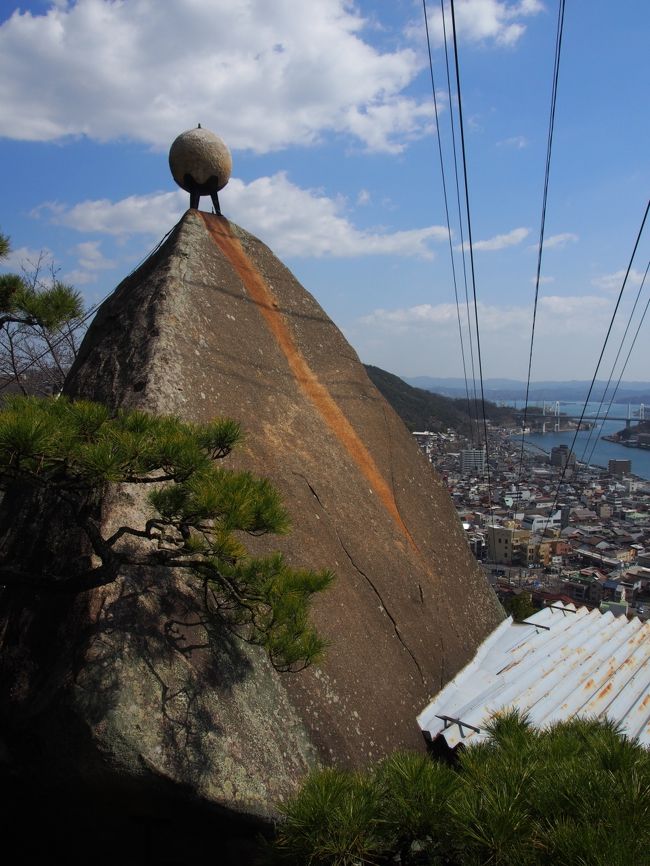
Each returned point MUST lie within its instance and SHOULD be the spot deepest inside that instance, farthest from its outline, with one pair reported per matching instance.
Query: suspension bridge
(555, 416)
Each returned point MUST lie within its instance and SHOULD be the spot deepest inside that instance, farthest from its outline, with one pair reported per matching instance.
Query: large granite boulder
(123, 686)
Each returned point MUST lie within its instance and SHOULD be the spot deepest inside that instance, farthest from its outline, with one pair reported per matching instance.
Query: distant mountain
(512, 389)
(421, 409)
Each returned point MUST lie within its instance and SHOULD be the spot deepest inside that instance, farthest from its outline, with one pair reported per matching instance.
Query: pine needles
(576, 794)
(201, 512)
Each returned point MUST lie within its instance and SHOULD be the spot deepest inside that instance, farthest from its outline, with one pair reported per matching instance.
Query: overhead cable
(600, 358)
(471, 253)
(444, 191)
(460, 216)
(88, 314)
(540, 248)
(623, 368)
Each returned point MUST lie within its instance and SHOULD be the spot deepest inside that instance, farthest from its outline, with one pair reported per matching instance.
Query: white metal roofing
(566, 663)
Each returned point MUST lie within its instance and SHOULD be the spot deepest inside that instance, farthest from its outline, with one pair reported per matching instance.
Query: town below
(545, 527)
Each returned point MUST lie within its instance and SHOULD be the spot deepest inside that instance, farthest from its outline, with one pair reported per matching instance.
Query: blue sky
(326, 106)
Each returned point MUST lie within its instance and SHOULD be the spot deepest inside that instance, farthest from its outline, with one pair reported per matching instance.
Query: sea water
(585, 440)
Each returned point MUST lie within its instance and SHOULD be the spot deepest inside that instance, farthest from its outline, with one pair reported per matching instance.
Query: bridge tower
(641, 412)
(557, 417)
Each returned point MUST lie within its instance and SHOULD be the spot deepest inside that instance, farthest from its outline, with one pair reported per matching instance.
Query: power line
(549, 147)
(600, 358)
(460, 217)
(89, 313)
(444, 191)
(471, 253)
(611, 372)
(624, 367)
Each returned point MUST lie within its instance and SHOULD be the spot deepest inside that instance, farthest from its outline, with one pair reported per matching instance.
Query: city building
(542, 523)
(619, 467)
(472, 461)
(507, 545)
(562, 456)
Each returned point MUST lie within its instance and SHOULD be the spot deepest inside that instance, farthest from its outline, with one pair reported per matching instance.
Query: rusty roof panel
(561, 663)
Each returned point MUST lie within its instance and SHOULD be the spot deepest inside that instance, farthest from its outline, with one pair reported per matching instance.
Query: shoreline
(625, 444)
(534, 445)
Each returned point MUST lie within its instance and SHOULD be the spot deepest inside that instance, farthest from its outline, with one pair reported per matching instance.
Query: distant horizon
(625, 383)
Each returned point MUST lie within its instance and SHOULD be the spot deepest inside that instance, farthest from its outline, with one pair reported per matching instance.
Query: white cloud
(613, 282)
(518, 142)
(299, 222)
(91, 257)
(152, 214)
(499, 242)
(363, 197)
(263, 75)
(90, 260)
(559, 241)
(486, 21)
(421, 314)
(27, 259)
(554, 310)
(293, 221)
(542, 280)
(443, 315)
(79, 277)
(425, 337)
(573, 308)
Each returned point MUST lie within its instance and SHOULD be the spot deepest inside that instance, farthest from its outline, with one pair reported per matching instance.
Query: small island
(634, 436)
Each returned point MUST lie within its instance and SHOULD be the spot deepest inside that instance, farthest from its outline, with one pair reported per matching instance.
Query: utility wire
(614, 392)
(444, 191)
(460, 217)
(89, 313)
(611, 372)
(600, 358)
(549, 147)
(471, 254)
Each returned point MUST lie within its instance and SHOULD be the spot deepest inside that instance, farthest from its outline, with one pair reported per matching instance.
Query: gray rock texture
(123, 684)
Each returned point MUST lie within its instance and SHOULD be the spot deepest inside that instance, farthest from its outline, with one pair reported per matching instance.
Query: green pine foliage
(10, 287)
(576, 794)
(41, 324)
(5, 246)
(336, 819)
(201, 512)
(520, 607)
(47, 307)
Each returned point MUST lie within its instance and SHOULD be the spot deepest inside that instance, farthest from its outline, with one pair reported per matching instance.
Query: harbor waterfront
(603, 451)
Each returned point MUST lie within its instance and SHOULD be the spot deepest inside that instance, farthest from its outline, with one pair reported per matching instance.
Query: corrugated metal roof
(560, 663)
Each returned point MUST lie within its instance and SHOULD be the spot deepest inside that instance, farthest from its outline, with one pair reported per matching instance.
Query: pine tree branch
(13, 319)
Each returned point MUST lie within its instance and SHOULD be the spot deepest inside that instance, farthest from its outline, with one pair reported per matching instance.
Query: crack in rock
(317, 497)
(383, 606)
(368, 580)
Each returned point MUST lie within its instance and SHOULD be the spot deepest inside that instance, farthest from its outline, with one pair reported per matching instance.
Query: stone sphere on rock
(200, 162)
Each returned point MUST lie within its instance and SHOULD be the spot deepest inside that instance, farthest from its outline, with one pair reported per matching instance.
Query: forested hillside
(423, 410)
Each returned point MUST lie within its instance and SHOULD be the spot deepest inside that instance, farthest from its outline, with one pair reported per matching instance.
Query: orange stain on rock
(258, 290)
